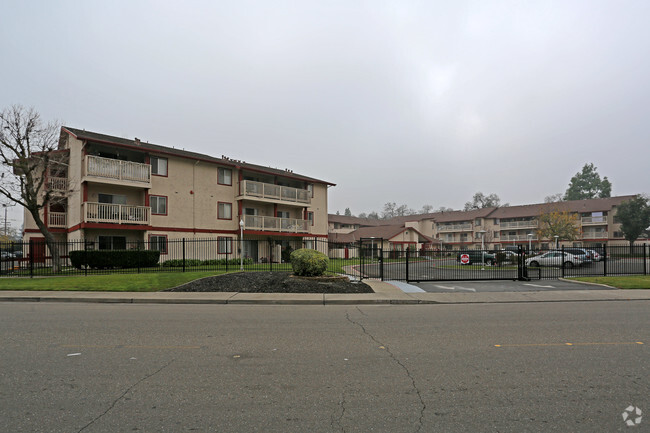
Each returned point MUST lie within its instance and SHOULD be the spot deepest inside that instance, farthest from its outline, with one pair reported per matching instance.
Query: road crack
(394, 358)
(124, 393)
(338, 421)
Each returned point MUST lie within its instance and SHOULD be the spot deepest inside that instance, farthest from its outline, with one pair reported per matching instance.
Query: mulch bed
(273, 282)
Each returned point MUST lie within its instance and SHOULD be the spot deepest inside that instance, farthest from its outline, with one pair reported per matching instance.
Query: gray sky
(413, 102)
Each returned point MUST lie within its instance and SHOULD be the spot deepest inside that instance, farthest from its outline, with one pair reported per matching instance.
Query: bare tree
(28, 152)
(554, 198)
(481, 200)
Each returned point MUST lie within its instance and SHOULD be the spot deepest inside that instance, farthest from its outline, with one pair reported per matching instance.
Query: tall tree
(558, 223)
(348, 212)
(444, 209)
(480, 201)
(634, 216)
(588, 184)
(427, 208)
(554, 198)
(27, 154)
(373, 215)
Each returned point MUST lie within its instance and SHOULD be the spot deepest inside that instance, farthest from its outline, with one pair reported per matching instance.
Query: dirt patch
(273, 282)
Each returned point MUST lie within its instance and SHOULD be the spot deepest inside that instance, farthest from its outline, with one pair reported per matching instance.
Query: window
(158, 243)
(224, 211)
(111, 198)
(224, 176)
(495, 234)
(283, 214)
(309, 245)
(310, 188)
(158, 204)
(158, 166)
(477, 222)
(112, 242)
(224, 245)
(496, 221)
(310, 218)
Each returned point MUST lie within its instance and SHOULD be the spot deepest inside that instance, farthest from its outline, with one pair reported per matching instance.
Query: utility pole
(6, 205)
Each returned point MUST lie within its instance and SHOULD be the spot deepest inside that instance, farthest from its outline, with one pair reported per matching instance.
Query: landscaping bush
(109, 259)
(308, 263)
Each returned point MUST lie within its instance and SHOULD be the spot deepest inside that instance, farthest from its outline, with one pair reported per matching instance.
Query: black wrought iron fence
(363, 259)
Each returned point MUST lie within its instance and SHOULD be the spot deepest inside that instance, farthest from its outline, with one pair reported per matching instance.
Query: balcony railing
(455, 227)
(519, 224)
(506, 238)
(594, 235)
(276, 192)
(109, 168)
(59, 184)
(594, 220)
(291, 225)
(116, 213)
(57, 219)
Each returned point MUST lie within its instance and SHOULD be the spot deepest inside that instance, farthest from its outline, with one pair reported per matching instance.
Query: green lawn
(626, 282)
(151, 282)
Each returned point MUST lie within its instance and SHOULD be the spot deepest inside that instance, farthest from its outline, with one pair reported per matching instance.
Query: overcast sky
(416, 102)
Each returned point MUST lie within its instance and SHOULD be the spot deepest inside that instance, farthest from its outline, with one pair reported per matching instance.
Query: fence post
(562, 261)
(13, 253)
(31, 258)
(381, 263)
(605, 260)
(271, 256)
(85, 257)
(138, 254)
(407, 265)
(183, 254)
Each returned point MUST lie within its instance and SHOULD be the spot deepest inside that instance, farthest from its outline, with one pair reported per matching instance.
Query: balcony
(115, 171)
(274, 193)
(57, 220)
(506, 238)
(57, 184)
(455, 227)
(594, 220)
(594, 235)
(274, 224)
(519, 224)
(116, 213)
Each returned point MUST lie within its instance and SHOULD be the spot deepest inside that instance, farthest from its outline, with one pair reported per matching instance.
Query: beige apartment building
(115, 191)
(496, 228)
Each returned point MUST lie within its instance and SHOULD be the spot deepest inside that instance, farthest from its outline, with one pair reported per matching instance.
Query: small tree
(634, 216)
(27, 153)
(558, 223)
(587, 184)
(348, 212)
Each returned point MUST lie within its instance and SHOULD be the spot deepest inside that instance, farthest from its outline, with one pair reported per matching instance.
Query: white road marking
(454, 288)
(538, 285)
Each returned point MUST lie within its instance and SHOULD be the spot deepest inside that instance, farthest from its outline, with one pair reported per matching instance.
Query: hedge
(109, 259)
(308, 263)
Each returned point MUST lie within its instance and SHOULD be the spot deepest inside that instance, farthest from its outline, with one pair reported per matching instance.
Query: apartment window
(495, 234)
(224, 245)
(158, 204)
(309, 245)
(111, 242)
(224, 211)
(111, 198)
(310, 217)
(496, 221)
(158, 243)
(224, 176)
(310, 188)
(283, 214)
(477, 222)
(158, 166)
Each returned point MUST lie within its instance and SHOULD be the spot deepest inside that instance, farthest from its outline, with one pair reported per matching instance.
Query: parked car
(584, 254)
(595, 256)
(477, 256)
(555, 258)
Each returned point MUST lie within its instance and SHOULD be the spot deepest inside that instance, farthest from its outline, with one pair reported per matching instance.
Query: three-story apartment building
(116, 191)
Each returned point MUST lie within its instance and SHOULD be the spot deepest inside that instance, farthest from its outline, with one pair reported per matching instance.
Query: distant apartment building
(495, 228)
(116, 191)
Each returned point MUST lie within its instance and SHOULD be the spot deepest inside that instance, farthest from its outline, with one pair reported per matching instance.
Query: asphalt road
(539, 367)
(503, 286)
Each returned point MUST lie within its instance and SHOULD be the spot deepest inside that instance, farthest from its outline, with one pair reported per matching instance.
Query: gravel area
(273, 282)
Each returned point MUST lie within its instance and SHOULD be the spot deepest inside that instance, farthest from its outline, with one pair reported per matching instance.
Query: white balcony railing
(291, 225)
(57, 219)
(594, 220)
(506, 238)
(270, 191)
(59, 184)
(116, 213)
(109, 168)
(518, 224)
(455, 227)
(594, 235)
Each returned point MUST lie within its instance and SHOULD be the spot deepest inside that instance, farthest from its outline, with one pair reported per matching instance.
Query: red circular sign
(464, 258)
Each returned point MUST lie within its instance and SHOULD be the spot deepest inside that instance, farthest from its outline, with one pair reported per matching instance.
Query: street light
(241, 244)
(6, 205)
(482, 233)
(556, 239)
(530, 237)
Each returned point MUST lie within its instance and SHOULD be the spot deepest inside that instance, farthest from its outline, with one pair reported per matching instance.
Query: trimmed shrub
(110, 259)
(308, 263)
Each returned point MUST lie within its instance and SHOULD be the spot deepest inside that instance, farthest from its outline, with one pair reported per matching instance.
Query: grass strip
(620, 282)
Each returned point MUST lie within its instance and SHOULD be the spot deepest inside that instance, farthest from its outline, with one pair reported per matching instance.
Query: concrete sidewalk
(385, 293)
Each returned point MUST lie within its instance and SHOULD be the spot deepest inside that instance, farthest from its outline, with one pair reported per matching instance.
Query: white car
(554, 258)
(595, 256)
